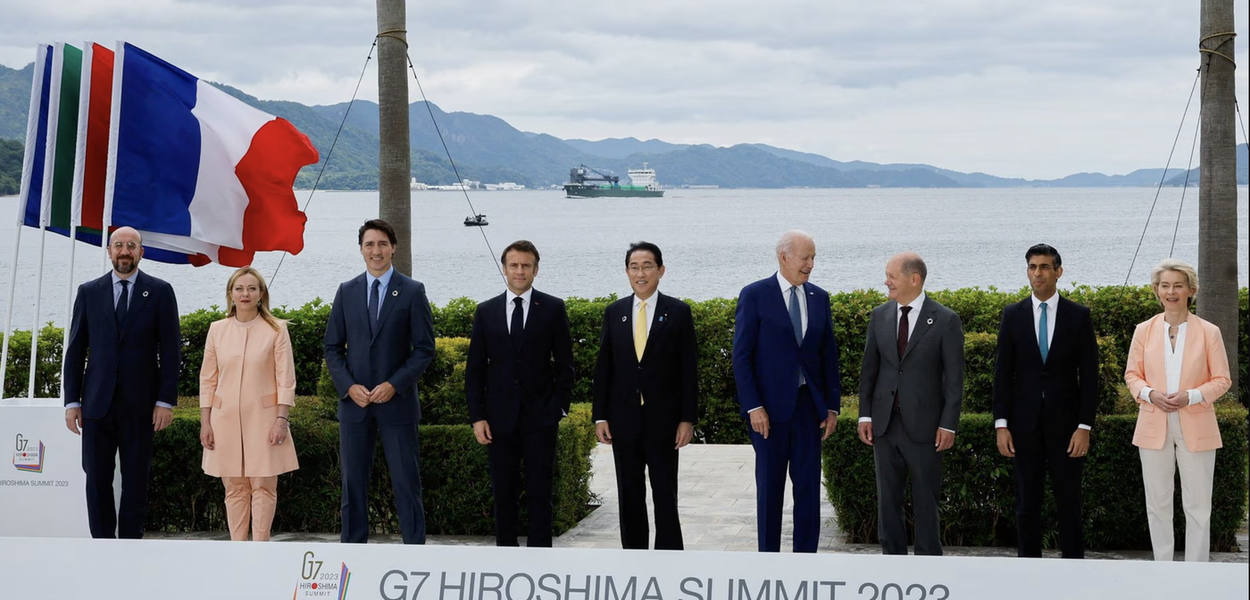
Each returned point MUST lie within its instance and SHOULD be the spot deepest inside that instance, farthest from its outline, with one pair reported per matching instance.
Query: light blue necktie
(796, 317)
(1043, 344)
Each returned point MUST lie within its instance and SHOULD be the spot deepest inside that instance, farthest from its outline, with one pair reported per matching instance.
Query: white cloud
(1033, 89)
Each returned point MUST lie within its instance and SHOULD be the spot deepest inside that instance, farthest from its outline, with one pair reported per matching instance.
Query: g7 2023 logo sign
(28, 457)
(315, 583)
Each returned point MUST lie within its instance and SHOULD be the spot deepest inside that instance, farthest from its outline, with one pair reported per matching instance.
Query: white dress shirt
(1172, 359)
(510, 305)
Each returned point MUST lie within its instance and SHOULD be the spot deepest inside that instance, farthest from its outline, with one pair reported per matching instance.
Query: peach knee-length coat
(248, 370)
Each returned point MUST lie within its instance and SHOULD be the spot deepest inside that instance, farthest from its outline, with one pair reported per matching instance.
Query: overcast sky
(1036, 89)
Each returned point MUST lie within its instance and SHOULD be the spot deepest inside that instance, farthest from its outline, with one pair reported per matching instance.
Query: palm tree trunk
(1217, 192)
(394, 166)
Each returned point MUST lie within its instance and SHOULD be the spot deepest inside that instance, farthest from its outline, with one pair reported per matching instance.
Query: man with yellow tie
(645, 397)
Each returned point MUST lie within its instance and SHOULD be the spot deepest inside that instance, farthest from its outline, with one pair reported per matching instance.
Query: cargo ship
(588, 182)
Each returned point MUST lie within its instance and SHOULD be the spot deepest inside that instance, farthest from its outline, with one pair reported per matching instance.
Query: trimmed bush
(978, 490)
(454, 476)
(1116, 312)
(47, 363)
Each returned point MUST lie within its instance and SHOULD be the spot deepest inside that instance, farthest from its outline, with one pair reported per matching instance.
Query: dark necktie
(517, 330)
(123, 303)
(796, 321)
(903, 325)
(374, 300)
(796, 316)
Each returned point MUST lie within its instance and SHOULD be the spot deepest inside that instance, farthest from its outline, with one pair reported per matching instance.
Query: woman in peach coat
(1177, 368)
(247, 388)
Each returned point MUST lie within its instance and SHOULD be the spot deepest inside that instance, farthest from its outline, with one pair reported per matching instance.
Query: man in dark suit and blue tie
(519, 383)
(1045, 397)
(785, 363)
(646, 397)
(121, 382)
(378, 341)
(911, 386)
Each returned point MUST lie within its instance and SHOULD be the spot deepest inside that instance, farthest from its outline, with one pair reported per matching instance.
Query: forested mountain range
(488, 149)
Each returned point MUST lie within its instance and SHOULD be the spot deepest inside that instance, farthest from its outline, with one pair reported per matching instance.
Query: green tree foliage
(10, 167)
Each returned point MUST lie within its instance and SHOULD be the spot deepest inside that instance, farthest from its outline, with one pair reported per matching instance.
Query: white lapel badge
(145, 293)
(930, 321)
(395, 294)
(624, 318)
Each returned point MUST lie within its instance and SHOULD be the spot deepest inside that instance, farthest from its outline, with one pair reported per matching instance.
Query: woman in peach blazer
(1177, 368)
(247, 388)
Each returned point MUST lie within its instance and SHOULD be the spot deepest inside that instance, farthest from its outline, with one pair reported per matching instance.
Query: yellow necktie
(640, 337)
(640, 330)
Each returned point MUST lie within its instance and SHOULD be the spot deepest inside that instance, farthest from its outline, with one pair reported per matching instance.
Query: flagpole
(45, 206)
(28, 160)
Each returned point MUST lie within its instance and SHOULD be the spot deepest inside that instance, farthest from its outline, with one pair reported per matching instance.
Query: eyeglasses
(647, 268)
(131, 246)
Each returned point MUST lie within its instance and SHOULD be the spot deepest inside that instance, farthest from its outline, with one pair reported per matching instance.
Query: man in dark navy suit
(786, 368)
(1045, 397)
(379, 339)
(121, 382)
(645, 397)
(519, 383)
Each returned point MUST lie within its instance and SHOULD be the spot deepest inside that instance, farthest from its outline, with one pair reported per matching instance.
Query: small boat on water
(476, 221)
(588, 182)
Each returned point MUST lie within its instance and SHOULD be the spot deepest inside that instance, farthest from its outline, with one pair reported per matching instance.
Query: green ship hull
(574, 190)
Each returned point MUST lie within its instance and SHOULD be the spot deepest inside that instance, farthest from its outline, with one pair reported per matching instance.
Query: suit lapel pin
(145, 293)
(624, 318)
(394, 293)
(662, 317)
(930, 321)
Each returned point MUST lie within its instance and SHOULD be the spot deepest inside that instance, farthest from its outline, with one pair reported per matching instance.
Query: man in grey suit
(910, 389)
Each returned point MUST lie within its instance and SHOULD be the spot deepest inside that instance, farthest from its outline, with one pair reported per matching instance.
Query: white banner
(130, 569)
(43, 488)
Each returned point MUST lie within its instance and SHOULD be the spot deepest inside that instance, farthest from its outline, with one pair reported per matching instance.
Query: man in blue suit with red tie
(786, 368)
(121, 382)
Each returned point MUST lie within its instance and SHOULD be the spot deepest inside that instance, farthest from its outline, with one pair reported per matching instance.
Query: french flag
(196, 170)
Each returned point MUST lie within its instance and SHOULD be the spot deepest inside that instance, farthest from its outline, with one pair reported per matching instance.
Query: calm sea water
(714, 241)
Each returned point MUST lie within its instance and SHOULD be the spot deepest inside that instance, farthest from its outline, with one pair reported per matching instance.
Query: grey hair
(1180, 266)
(786, 243)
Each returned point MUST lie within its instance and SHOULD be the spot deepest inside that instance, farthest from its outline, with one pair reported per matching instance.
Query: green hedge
(1116, 311)
(454, 476)
(978, 488)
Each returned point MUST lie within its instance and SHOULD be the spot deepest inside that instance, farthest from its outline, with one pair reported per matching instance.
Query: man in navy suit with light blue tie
(785, 363)
(379, 339)
(121, 382)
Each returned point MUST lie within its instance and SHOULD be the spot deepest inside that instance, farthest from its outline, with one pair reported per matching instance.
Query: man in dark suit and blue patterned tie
(121, 382)
(785, 363)
(519, 383)
(378, 341)
(1045, 398)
